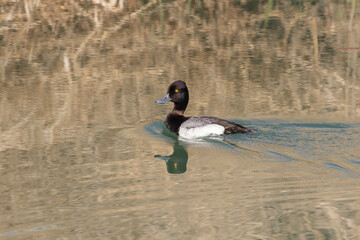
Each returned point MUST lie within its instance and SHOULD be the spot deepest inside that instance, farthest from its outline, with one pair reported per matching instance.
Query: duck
(194, 127)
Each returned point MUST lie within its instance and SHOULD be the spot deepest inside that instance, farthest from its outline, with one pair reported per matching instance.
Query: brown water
(84, 153)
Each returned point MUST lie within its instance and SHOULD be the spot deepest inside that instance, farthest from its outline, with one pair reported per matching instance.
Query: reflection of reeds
(268, 10)
(189, 6)
(161, 12)
(350, 88)
(199, 4)
(92, 63)
(315, 38)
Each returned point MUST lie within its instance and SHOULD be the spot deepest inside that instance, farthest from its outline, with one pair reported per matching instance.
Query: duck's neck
(179, 108)
(177, 112)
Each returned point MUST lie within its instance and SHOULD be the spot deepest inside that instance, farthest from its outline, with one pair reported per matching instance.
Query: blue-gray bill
(165, 99)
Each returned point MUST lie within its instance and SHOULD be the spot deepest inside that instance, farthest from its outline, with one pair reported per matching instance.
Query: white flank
(203, 131)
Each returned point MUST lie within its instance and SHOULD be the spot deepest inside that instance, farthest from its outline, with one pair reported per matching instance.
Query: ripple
(318, 125)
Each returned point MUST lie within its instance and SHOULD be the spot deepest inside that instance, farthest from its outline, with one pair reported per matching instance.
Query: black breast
(173, 122)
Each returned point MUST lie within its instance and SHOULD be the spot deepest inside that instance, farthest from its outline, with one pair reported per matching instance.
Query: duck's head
(178, 94)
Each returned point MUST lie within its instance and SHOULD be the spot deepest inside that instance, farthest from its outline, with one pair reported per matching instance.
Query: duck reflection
(176, 162)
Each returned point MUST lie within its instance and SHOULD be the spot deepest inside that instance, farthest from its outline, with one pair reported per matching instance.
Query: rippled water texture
(84, 152)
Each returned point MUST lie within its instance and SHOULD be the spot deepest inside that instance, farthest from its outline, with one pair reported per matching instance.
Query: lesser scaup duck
(194, 127)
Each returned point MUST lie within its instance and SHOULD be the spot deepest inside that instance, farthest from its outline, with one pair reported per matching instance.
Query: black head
(178, 94)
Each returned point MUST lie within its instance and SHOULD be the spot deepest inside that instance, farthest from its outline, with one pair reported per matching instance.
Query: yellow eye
(176, 90)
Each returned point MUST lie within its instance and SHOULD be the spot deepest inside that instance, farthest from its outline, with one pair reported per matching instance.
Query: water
(289, 180)
(84, 152)
(319, 145)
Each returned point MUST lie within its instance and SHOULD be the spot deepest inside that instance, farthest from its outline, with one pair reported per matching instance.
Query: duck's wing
(230, 127)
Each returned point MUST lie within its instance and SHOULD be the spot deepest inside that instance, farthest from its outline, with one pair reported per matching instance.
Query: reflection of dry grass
(82, 63)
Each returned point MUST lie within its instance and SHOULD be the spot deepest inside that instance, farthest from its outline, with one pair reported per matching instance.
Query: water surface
(84, 152)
